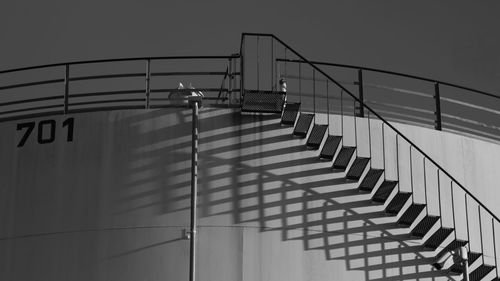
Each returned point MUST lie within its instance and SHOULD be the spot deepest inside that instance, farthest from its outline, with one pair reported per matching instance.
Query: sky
(453, 41)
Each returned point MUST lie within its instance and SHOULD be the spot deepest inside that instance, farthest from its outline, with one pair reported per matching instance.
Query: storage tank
(294, 183)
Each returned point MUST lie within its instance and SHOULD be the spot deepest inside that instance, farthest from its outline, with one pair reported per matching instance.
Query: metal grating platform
(290, 113)
(344, 157)
(384, 191)
(371, 179)
(316, 136)
(480, 272)
(357, 168)
(330, 147)
(424, 226)
(303, 125)
(437, 238)
(411, 214)
(263, 101)
(397, 203)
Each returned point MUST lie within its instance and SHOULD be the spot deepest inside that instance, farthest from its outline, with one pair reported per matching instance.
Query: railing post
(437, 113)
(66, 88)
(361, 112)
(242, 69)
(229, 80)
(148, 78)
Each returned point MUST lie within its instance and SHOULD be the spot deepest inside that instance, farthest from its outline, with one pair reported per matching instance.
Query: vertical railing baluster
(397, 160)
(480, 232)
(258, 66)
(494, 246)
(272, 64)
(242, 69)
(437, 113)
(148, 79)
(383, 152)
(66, 88)
(453, 210)
(361, 98)
(411, 178)
(229, 80)
(425, 189)
(439, 199)
(370, 140)
(467, 223)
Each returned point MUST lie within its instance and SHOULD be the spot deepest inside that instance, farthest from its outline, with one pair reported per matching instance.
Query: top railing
(421, 100)
(125, 83)
(307, 84)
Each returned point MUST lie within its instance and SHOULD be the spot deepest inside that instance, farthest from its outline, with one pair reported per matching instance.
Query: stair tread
(303, 124)
(316, 136)
(263, 101)
(411, 214)
(424, 226)
(397, 203)
(344, 157)
(480, 272)
(357, 168)
(290, 113)
(330, 147)
(473, 256)
(371, 179)
(384, 191)
(437, 238)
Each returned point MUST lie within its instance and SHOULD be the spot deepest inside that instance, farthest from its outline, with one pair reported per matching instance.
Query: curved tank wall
(113, 203)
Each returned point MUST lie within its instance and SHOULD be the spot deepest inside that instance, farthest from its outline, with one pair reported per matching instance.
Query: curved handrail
(13, 106)
(397, 74)
(338, 84)
(115, 60)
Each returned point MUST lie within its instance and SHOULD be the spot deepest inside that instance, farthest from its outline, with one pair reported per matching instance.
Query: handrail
(116, 60)
(374, 113)
(397, 74)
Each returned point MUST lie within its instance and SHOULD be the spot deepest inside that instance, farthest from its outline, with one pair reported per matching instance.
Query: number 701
(43, 126)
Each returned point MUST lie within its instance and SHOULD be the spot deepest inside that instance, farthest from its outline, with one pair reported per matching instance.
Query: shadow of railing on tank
(275, 186)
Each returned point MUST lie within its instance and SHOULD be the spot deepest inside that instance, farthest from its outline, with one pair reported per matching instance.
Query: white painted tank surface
(105, 196)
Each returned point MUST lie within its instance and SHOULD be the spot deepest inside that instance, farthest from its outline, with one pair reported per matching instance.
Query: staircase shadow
(286, 188)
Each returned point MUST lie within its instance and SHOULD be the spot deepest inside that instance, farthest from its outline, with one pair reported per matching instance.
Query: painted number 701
(46, 131)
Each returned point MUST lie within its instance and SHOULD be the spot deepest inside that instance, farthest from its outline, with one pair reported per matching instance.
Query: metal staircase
(410, 211)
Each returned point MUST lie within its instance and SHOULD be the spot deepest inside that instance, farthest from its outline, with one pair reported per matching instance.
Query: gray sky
(455, 41)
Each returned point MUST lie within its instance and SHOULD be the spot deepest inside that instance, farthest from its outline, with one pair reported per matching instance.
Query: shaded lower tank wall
(114, 203)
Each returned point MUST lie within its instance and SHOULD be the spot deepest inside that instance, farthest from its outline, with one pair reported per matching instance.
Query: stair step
(411, 214)
(384, 191)
(290, 113)
(303, 124)
(344, 157)
(453, 245)
(437, 238)
(330, 147)
(316, 136)
(424, 226)
(473, 256)
(371, 179)
(357, 168)
(397, 203)
(480, 272)
(263, 101)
